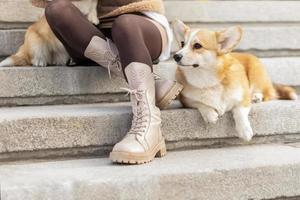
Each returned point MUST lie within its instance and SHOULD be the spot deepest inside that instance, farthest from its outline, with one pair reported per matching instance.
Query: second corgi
(216, 81)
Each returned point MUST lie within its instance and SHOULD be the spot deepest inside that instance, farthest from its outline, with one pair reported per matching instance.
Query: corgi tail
(21, 58)
(285, 92)
(7, 62)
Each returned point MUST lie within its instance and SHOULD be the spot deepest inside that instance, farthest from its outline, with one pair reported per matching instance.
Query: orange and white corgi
(41, 47)
(216, 81)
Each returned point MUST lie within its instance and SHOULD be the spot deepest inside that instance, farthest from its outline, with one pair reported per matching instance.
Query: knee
(55, 10)
(124, 27)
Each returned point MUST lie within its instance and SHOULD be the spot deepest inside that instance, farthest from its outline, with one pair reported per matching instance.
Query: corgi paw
(92, 17)
(246, 133)
(39, 63)
(257, 98)
(211, 117)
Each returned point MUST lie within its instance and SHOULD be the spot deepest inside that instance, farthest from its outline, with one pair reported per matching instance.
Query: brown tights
(137, 39)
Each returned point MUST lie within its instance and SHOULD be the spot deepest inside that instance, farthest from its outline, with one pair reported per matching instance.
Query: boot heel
(163, 150)
(170, 96)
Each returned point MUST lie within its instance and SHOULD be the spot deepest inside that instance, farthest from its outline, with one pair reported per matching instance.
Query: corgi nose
(177, 57)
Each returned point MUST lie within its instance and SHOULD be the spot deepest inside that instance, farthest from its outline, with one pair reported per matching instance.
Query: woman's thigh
(137, 39)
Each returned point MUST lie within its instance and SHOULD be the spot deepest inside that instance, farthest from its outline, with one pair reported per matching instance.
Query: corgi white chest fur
(203, 87)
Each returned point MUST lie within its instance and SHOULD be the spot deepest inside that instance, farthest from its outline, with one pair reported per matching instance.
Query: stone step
(190, 11)
(263, 40)
(92, 129)
(278, 21)
(58, 85)
(233, 11)
(73, 85)
(238, 173)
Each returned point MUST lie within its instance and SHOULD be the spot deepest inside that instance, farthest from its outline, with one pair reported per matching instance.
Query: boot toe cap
(128, 145)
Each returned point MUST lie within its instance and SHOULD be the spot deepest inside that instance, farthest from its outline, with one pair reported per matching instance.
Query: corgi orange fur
(216, 81)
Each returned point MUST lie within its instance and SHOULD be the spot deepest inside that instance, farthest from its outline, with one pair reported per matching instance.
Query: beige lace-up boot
(144, 140)
(105, 53)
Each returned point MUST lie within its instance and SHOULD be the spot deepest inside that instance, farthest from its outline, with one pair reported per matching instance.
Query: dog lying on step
(216, 81)
(41, 47)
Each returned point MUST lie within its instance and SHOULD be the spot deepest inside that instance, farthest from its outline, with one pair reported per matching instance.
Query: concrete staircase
(206, 161)
(250, 172)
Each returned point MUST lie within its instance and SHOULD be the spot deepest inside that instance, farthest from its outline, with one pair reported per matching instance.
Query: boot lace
(112, 56)
(156, 76)
(140, 118)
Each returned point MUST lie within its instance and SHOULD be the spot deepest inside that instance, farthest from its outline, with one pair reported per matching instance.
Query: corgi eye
(182, 43)
(197, 46)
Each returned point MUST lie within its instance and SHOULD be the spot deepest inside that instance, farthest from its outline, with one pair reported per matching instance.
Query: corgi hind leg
(269, 93)
(60, 55)
(40, 55)
(242, 123)
(38, 48)
(60, 59)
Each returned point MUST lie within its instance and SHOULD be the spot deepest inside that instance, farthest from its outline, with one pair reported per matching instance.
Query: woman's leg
(139, 42)
(137, 39)
(71, 27)
(85, 43)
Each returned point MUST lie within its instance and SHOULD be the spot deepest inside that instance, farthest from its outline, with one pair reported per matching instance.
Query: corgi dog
(41, 47)
(216, 81)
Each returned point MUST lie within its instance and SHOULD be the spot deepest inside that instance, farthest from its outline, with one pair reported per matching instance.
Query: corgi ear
(228, 39)
(180, 29)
